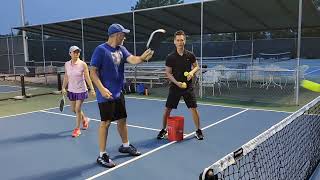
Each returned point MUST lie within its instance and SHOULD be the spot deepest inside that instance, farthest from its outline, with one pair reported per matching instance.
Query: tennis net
(275, 57)
(237, 61)
(242, 57)
(23, 86)
(9, 86)
(288, 150)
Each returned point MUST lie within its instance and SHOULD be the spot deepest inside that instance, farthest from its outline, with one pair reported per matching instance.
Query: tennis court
(38, 145)
(253, 54)
(8, 89)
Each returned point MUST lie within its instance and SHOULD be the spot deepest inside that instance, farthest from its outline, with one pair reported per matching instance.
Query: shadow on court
(36, 137)
(69, 173)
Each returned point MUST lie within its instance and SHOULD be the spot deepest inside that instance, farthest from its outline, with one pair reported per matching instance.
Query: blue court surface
(38, 145)
(9, 89)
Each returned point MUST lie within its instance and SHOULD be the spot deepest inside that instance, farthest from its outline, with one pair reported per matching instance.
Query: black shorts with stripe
(113, 110)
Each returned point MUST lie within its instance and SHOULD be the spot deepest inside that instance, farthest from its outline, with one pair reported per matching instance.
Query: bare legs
(76, 108)
(103, 132)
(194, 113)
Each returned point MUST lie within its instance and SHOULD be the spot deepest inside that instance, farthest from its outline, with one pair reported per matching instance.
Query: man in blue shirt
(107, 73)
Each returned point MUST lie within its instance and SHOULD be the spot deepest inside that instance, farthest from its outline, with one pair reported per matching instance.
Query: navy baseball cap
(115, 28)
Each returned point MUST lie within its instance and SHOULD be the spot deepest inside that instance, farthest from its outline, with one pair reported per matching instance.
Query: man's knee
(105, 124)
(194, 109)
(168, 110)
(122, 122)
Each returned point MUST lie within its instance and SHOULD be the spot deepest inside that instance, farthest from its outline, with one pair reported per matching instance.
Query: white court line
(92, 119)
(312, 72)
(154, 99)
(214, 105)
(161, 147)
(30, 112)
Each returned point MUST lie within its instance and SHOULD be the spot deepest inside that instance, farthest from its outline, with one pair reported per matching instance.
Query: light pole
(25, 42)
(298, 53)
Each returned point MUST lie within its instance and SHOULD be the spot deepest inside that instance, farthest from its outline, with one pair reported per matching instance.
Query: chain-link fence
(261, 70)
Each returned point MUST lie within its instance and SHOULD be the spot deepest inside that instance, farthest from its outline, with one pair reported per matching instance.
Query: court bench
(151, 80)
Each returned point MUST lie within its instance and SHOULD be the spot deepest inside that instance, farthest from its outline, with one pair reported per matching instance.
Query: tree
(143, 4)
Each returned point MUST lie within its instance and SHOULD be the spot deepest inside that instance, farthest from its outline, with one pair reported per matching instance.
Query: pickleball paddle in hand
(62, 103)
(155, 39)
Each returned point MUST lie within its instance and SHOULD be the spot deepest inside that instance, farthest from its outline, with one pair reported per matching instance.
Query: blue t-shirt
(109, 62)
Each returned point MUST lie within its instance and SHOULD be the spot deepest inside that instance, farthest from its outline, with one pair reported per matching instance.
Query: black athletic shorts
(175, 94)
(113, 110)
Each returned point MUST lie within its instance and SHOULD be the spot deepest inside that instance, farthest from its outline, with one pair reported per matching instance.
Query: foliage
(143, 4)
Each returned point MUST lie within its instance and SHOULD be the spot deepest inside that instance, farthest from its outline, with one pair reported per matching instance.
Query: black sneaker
(130, 150)
(105, 161)
(162, 134)
(199, 134)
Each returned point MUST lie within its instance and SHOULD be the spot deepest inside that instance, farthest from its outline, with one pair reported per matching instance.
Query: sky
(45, 11)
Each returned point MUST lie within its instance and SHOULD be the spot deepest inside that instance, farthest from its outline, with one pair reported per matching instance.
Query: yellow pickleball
(312, 86)
(186, 74)
(184, 85)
